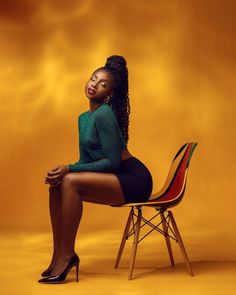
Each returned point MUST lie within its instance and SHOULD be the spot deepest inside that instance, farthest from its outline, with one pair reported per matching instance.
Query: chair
(169, 196)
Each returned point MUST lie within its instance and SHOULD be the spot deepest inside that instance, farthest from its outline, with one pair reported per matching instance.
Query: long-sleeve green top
(100, 141)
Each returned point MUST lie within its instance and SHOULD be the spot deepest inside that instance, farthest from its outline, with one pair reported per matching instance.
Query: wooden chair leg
(135, 242)
(124, 238)
(167, 238)
(180, 242)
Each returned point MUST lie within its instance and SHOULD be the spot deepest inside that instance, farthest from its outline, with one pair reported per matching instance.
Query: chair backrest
(175, 183)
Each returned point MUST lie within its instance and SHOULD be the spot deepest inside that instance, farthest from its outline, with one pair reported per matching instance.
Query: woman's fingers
(53, 177)
(54, 170)
(52, 173)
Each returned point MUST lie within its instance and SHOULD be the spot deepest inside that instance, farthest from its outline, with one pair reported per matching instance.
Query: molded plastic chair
(169, 196)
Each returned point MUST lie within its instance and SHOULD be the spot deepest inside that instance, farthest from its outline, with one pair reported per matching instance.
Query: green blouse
(100, 141)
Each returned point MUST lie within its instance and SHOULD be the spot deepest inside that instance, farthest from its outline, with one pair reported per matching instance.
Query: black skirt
(135, 180)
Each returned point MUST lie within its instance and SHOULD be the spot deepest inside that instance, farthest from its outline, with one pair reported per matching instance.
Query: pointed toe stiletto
(74, 261)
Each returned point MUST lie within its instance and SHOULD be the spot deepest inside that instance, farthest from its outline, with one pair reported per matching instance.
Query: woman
(106, 173)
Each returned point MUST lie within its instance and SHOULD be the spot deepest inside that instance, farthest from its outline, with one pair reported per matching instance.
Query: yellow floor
(25, 254)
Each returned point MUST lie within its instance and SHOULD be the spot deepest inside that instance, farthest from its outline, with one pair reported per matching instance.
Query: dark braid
(119, 102)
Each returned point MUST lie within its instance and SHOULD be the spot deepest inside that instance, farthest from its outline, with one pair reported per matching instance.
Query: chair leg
(124, 238)
(180, 242)
(167, 238)
(135, 242)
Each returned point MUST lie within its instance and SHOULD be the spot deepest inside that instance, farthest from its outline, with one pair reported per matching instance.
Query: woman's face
(99, 86)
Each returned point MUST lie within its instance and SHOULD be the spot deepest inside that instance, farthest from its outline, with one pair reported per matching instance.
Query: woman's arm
(108, 131)
(55, 175)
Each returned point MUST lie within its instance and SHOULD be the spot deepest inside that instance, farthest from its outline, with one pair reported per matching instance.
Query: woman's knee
(71, 178)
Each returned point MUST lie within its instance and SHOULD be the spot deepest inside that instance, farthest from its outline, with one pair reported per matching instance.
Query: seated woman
(106, 172)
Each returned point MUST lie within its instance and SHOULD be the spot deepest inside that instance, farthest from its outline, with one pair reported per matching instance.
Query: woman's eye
(102, 83)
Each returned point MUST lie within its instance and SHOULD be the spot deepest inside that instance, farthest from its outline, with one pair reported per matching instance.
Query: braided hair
(119, 101)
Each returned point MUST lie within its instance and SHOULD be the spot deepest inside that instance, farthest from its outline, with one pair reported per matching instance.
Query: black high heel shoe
(46, 273)
(74, 261)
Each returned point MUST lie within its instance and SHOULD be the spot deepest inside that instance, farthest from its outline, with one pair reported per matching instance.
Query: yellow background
(181, 61)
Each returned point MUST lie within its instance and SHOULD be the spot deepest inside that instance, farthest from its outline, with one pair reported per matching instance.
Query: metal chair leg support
(180, 242)
(135, 242)
(167, 238)
(124, 238)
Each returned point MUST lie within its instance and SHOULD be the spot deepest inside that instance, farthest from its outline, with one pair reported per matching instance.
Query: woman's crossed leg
(66, 208)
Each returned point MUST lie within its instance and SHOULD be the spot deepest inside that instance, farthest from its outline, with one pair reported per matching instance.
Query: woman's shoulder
(103, 111)
(83, 114)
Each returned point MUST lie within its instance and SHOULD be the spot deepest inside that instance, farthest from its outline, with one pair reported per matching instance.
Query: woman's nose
(94, 84)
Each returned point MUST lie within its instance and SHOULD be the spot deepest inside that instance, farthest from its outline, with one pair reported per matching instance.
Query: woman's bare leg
(101, 187)
(55, 216)
(71, 212)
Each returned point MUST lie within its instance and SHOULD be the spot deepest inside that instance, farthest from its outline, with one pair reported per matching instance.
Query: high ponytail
(119, 101)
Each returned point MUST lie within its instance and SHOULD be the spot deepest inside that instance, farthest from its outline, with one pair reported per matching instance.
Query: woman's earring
(108, 98)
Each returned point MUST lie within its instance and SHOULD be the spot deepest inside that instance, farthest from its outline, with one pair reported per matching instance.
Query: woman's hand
(54, 176)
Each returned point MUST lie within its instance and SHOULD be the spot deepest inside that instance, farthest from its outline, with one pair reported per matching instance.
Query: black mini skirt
(135, 180)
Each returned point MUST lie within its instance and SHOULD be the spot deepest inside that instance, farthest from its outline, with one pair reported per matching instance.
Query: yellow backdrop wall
(181, 73)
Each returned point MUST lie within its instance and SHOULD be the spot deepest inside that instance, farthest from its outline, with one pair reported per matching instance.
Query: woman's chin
(89, 96)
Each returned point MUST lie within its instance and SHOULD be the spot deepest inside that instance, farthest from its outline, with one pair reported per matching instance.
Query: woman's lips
(91, 91)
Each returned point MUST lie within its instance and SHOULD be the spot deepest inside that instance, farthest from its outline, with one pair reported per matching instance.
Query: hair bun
(116, 62)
